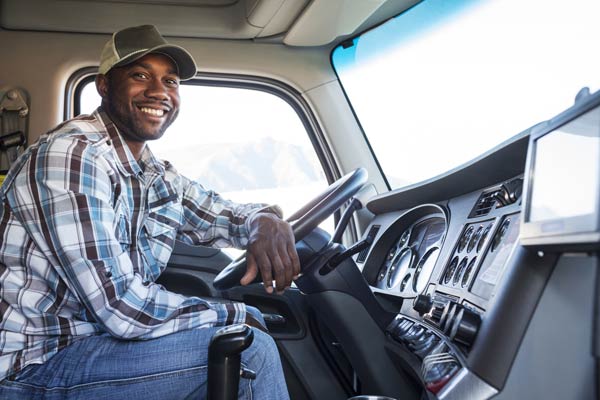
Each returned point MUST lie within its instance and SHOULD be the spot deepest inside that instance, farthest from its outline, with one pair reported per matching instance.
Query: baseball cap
(130, 44)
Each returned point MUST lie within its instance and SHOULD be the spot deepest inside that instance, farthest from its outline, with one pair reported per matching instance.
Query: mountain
(261, 164)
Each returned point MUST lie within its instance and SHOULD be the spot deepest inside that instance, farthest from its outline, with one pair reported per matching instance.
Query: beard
(130, 120)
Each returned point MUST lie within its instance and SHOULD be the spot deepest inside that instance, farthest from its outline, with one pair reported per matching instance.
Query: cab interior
(442, 289)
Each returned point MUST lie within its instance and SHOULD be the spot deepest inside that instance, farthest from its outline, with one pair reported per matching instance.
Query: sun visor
(325, 20)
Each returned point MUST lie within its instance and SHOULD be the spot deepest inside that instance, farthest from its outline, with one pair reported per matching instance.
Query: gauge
(424, 269)
(466, 237)
(468, 272)
(484, 236)
(450, 271)
(392, 252)
(500, 234)
(404, 238)
(459, 270)
(400, 266)
(382, 273)
(474, 239)
(405, 282)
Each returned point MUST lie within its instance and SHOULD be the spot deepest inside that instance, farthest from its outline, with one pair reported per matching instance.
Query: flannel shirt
(85, 230)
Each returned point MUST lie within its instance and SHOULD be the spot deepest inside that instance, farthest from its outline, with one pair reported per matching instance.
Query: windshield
(448, 80)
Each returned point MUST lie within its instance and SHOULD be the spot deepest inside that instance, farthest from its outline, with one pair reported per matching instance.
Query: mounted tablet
(562, 181)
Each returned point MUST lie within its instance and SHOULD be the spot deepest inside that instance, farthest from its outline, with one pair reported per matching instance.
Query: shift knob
(224, 360)
(423, 304)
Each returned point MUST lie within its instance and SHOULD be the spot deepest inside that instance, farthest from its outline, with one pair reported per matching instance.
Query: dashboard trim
(480, 172)
(466, 385)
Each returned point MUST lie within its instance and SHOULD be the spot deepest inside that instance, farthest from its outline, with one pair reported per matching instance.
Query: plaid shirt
(85, 230)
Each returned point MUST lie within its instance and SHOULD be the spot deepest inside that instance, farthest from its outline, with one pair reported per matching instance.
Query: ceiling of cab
(293, 22)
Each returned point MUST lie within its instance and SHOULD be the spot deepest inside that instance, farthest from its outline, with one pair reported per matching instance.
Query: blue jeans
(171, 367)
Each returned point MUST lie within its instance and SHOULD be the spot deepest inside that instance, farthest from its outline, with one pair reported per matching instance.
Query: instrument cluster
(410, 260)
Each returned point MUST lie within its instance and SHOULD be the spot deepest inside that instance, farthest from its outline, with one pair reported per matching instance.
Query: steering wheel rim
(302, 221)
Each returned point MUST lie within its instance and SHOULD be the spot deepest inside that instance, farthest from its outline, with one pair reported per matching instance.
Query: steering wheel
(303, 221)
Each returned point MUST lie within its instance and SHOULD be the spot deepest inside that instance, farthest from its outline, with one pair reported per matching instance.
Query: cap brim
(186, 65)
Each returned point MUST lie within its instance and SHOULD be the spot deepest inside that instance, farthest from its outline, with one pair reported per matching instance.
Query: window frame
(287, 93)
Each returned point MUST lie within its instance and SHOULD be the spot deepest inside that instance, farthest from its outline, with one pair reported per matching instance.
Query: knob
(423, 304)
(448, 316)
(224, 360)
(436, 314)
(465, 327)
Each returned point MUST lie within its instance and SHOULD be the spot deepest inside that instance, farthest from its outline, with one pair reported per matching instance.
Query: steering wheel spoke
(303, 222)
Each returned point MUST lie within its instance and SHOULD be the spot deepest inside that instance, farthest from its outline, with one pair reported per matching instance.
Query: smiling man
(88, 222)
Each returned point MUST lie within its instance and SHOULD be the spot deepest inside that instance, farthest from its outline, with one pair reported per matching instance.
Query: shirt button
(109, 142)
(108, 274)
(146, 283)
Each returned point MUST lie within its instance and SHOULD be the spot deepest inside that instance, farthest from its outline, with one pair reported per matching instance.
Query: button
(146, 283)
(108, 274)
(414, 334)
(426, 348)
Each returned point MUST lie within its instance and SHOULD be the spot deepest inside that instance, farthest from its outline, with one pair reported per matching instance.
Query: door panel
(309, 374)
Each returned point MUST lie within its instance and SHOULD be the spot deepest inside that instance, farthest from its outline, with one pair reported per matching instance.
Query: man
(88, 222)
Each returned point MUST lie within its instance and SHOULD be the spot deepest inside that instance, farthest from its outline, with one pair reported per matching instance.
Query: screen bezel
(581, 232)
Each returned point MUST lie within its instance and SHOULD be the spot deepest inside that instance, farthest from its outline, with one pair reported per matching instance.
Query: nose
(157, 90)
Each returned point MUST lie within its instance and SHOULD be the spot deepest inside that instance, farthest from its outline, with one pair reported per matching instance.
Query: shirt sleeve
(63, 198)
(211, 220)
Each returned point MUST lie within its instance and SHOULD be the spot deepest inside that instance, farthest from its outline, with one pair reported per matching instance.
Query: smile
(152, 111)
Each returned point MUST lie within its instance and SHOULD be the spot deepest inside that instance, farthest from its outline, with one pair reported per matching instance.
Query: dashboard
(448, 258)
(445, 261)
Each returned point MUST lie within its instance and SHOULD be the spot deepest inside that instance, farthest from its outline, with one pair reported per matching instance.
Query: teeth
(152, 111)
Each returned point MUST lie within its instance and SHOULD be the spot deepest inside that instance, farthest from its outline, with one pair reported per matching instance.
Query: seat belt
(14, 118)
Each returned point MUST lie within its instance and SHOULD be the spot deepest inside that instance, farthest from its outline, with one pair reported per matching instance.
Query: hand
(272, 250)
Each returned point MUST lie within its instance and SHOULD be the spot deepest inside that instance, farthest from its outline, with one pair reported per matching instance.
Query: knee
(262, 353)
(256, 313)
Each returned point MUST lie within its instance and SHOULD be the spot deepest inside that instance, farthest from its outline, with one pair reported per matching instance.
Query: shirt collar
(130, 164)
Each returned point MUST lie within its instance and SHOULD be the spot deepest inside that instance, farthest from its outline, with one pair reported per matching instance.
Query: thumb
(251, 270)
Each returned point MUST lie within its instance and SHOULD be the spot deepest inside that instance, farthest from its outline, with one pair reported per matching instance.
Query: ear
(102, 85)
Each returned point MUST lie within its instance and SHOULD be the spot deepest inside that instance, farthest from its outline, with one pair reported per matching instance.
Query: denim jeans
(171, 367)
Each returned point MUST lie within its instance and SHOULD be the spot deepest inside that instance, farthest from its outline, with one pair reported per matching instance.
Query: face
(141, 98)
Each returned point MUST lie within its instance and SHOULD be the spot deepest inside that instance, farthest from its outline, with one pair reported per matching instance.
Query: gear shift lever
(224, 361)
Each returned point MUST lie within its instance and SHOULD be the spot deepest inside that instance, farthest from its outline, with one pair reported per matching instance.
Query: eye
(172, 82)
(140, 75)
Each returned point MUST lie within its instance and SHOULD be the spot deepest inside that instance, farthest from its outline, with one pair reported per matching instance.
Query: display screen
(566, 170)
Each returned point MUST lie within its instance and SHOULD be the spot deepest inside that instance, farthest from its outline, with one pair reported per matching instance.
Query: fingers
(264, 264)
(283, 272)
(294, 260)
(272, 251)
(289, 269)
(251, 270)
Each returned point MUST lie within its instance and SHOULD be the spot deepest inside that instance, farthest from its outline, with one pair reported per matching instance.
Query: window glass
(248, 145)
(448, 80)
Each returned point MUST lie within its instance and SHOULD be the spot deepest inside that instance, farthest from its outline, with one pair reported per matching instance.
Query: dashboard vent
(371, 237)
(484, 205)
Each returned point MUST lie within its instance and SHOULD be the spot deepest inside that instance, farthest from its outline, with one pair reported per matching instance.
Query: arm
(211, 220)
(63, 197)
(269, 240)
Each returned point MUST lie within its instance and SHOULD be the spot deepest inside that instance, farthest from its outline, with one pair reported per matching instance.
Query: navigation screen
(566, 168)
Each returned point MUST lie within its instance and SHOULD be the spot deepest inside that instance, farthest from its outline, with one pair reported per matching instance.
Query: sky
(461, 85)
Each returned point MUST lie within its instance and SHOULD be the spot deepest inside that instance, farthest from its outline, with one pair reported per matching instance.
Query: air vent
(371, 237)
(484, 205)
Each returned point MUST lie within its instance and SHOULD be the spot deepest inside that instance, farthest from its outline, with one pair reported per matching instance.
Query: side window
(246, 144)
